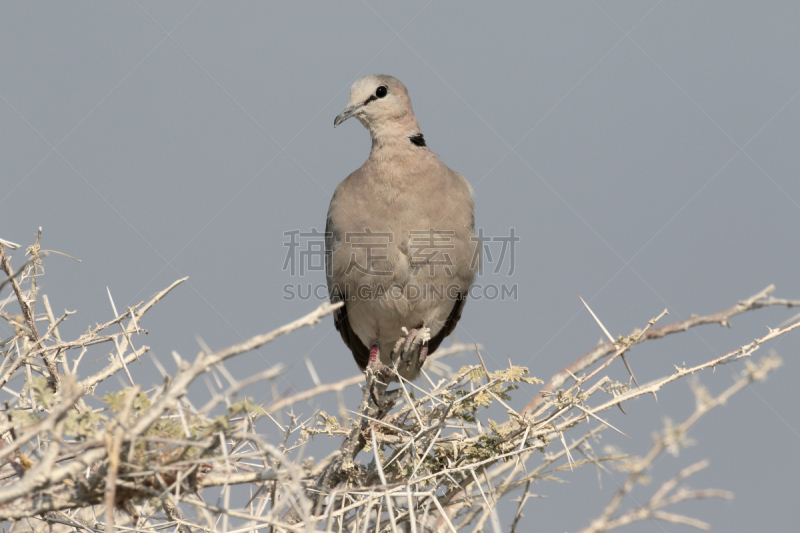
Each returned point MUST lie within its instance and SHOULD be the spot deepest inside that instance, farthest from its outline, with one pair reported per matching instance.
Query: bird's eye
(381, 91)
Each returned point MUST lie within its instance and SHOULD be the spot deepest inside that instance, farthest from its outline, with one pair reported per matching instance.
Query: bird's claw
(376, 367)
(413, 345)
(377, 372)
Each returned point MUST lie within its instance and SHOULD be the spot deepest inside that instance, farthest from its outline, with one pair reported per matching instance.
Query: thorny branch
(757, 301)
(418, 457)
(671, 439)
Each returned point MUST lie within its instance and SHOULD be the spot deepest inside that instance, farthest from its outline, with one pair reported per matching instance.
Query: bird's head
(382, 105)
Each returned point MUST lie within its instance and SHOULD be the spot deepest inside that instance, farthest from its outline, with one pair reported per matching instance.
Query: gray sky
(644, 153)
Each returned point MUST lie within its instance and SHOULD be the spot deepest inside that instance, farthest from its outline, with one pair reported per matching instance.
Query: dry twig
(416, 458)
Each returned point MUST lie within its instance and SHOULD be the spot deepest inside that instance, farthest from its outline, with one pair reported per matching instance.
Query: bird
(400, 244)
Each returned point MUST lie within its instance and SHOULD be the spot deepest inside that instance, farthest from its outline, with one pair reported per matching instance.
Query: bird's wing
(338, 293)
(449, 324)
(464, 265)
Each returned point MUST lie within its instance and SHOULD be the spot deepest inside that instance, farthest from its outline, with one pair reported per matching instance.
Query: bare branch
(757, 301)
(432, 461)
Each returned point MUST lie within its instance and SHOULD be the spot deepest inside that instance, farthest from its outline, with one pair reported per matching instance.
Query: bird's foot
(375, 365)
(423, 354)
(377, 373)
(413, 345)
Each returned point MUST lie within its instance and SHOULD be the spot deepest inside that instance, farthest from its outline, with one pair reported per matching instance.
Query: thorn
(485, 372)
(203, 345)
(133, 317)
(571, 374)
(629, 370)
(589, 413)
(610, 338)
(314, 376)
(113, 307)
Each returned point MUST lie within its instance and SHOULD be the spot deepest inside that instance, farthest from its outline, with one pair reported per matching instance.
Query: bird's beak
(348, 112)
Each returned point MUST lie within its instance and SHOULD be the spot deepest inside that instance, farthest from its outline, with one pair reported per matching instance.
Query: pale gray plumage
(420, 213)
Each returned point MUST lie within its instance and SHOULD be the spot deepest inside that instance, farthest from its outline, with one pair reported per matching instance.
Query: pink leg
(377, 370)
(373, 354)
(375, 361)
